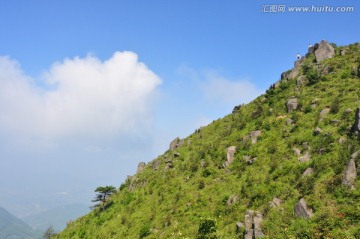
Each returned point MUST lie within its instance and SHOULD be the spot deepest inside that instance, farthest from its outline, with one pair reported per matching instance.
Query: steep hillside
(13, 228)
(282, 166)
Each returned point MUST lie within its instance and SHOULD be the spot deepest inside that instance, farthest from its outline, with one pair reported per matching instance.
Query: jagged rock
(301, 80)
(140, 167)
(168, 166)
(258, 234)
(317, 131)
(249, 215)
(292, 104)
(289, 121)
(326, 70)
(176, 155)
(176, 143)
(342, 52)
(311, 50)
(297, 151)
(305, 158)
(356, 127)
(350, 174)
(347, 111)
(249, 160)
(301, 210)
(239, 226)
(308, 172)
(230, 154)
(324, 112)
(253, 224)
(324, 51)
(258, 218)
(156, 165)
(321, 151)
(355, 155)
(254, 135)
(232, 200)
(276, 202)
(249, 234)
(294, 72)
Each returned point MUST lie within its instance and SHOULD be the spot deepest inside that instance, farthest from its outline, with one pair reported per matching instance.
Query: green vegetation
(102, 196)
(187, 196)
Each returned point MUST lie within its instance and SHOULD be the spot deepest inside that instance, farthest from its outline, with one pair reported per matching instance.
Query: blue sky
(72, 121)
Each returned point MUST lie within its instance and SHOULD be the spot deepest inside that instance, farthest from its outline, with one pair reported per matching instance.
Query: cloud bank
(77, 97)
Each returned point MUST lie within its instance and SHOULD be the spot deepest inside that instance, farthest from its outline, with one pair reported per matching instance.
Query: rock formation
(176, 143)
(253, 225)
(140, 167)
(292, 104)
(301, 210)
(323, 51)
(254, 136)
(356, 126)
(350, 172)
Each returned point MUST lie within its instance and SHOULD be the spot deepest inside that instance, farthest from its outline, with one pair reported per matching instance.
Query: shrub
(207, 229)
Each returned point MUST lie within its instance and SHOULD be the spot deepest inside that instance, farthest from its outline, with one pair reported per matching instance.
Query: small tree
(49, 233)
(102, 195)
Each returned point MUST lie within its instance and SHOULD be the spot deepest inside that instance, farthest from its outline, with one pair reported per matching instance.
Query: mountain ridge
(12, 227)
(273, 168)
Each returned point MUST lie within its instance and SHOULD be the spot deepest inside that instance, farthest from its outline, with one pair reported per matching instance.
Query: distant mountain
(12, 227)
(56, 217)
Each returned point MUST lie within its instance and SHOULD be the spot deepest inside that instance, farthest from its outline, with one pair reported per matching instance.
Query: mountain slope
(13, 228)
(274, 168)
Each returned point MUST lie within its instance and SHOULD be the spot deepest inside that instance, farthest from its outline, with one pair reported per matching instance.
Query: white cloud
(219, 89)
(77, 97)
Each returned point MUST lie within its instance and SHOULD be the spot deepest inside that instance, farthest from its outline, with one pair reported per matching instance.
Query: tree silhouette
(49, 233)
(102, 195)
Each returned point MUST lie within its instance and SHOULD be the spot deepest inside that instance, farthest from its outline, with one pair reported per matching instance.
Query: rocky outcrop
(323, 51)
(356, 126)
(308, 172)
(317, 131)
(305, 158)
(254, 136)
(176, 143)
(350, 172)
(232, 200)
(249, 160)
(292, 104)
(301, 80)
(253, 225)
(230, 155)
(156, 165)
(301, 210)
(297, 151)
(275, 203)
(324, 112)
(140, 167)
